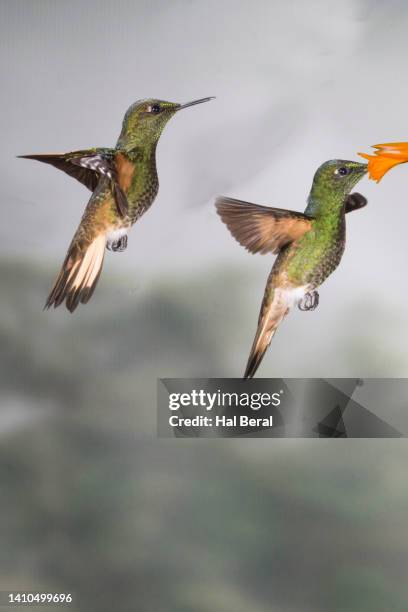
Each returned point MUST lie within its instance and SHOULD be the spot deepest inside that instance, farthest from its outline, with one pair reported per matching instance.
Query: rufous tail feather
(274, 307)
(79, 274)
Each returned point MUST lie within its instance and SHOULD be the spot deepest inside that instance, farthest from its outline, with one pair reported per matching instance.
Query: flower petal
(396, 149)
(385, 157)
(378, 166)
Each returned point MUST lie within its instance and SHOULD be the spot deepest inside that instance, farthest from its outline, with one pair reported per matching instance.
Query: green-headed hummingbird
(124, 183)
(309, 245)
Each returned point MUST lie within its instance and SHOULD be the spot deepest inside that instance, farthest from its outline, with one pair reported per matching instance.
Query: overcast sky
(297, 83)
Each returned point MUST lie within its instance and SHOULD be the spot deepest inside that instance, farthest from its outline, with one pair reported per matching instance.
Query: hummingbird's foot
(310, 301)
(117, 245)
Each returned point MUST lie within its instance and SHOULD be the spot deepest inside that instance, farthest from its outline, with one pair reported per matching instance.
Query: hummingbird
(309, 245)
(124, 184)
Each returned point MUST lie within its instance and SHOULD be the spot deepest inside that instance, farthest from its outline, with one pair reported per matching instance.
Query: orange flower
(385, 157)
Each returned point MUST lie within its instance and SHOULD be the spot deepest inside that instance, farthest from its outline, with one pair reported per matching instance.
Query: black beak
(194, 102)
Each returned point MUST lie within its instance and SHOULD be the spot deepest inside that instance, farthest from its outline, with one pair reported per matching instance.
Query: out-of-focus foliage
(93, 502)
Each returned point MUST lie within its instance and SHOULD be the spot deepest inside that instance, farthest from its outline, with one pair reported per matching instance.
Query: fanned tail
(79, 274)
(274, 307)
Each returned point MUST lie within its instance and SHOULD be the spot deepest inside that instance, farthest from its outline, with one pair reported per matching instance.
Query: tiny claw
(117, 245)
(310, 301)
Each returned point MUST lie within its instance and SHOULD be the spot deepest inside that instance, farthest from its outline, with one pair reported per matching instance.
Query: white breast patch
(114, 235)
(295, 295)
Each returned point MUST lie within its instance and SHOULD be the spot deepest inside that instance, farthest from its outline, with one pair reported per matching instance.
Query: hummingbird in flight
(309, 245)
(124, 184)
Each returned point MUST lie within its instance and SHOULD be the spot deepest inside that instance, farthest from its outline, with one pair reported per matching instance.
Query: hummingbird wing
(261, 229)
(87, 167)
(104, 165)
(355, 201)
(71, 164)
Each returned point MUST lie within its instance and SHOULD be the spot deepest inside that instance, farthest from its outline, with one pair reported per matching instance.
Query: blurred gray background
(92, 501)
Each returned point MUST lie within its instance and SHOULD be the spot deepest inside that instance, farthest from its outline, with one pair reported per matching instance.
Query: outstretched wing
(87, 167)
(76, 164)
(261, 229)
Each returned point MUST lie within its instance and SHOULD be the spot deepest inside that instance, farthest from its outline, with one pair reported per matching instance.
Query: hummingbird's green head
(332, 183)
(145, 120)
(339, 175)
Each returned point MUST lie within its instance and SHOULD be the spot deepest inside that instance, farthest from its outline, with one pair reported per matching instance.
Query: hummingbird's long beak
(194, 102)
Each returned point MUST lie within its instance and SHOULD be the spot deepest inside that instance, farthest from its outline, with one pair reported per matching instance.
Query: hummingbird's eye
(343, 171)
(154, 108)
